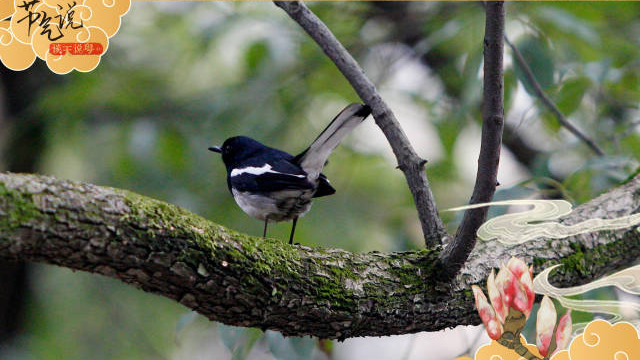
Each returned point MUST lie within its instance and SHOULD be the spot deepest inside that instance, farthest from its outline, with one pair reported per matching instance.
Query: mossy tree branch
(265, 283)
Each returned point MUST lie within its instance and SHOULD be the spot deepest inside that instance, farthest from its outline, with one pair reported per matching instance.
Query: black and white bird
(271, 185)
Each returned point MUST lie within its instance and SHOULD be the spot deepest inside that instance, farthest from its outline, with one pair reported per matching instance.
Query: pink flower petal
(563, 334)
(520, 301)
(545, 323)
(504, 283)
(517, 266)
(527, 283)
(496, 298)
(494, 329)
(487, 314)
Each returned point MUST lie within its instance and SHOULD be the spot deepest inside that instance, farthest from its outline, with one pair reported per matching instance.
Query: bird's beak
(216, 149)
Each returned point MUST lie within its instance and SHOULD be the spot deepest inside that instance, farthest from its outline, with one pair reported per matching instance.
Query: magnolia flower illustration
(546, 324)
(511, 295)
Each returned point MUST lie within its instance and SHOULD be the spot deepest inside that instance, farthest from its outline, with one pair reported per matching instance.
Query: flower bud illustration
(563, 333)
(487, 313)
(516, 286)
(504, 281)
(524, 274)
(545, 324)
(496, 299)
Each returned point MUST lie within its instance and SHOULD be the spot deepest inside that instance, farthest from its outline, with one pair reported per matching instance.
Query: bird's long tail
(313, 159)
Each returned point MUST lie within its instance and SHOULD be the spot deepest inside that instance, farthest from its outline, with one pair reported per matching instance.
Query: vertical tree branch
(456, 253)
(549, 103)
(408, 161)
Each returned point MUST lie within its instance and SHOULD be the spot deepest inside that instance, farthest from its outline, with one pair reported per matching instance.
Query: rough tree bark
(247, 281)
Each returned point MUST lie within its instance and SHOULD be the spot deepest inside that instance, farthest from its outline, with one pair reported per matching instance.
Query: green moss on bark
(587, 263)
(16, 208)
(248, 281)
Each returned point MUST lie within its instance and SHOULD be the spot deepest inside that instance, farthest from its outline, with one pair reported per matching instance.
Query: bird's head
(237, 148)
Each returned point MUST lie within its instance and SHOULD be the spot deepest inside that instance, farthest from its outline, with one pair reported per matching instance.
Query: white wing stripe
(266, 168)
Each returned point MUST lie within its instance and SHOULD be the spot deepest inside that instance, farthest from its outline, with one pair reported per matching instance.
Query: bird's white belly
(280, 206)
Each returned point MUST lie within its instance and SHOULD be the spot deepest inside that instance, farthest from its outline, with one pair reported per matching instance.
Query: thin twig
(408, 161)
(549, 103)
(456, 253)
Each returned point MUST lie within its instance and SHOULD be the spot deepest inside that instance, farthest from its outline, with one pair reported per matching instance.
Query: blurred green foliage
(181, 76)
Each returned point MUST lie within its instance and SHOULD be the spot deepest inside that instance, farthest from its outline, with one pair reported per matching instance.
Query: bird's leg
(293, 230)
(264, 233)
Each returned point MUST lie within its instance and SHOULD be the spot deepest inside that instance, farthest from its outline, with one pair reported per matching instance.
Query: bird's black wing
(259, 176)
(290, 165)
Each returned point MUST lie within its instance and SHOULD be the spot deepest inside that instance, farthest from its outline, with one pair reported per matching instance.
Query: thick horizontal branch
(265, 283)
(409, 162)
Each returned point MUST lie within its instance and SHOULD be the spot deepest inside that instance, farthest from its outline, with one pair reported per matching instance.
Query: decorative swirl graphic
(627, 280)
(527, 225)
